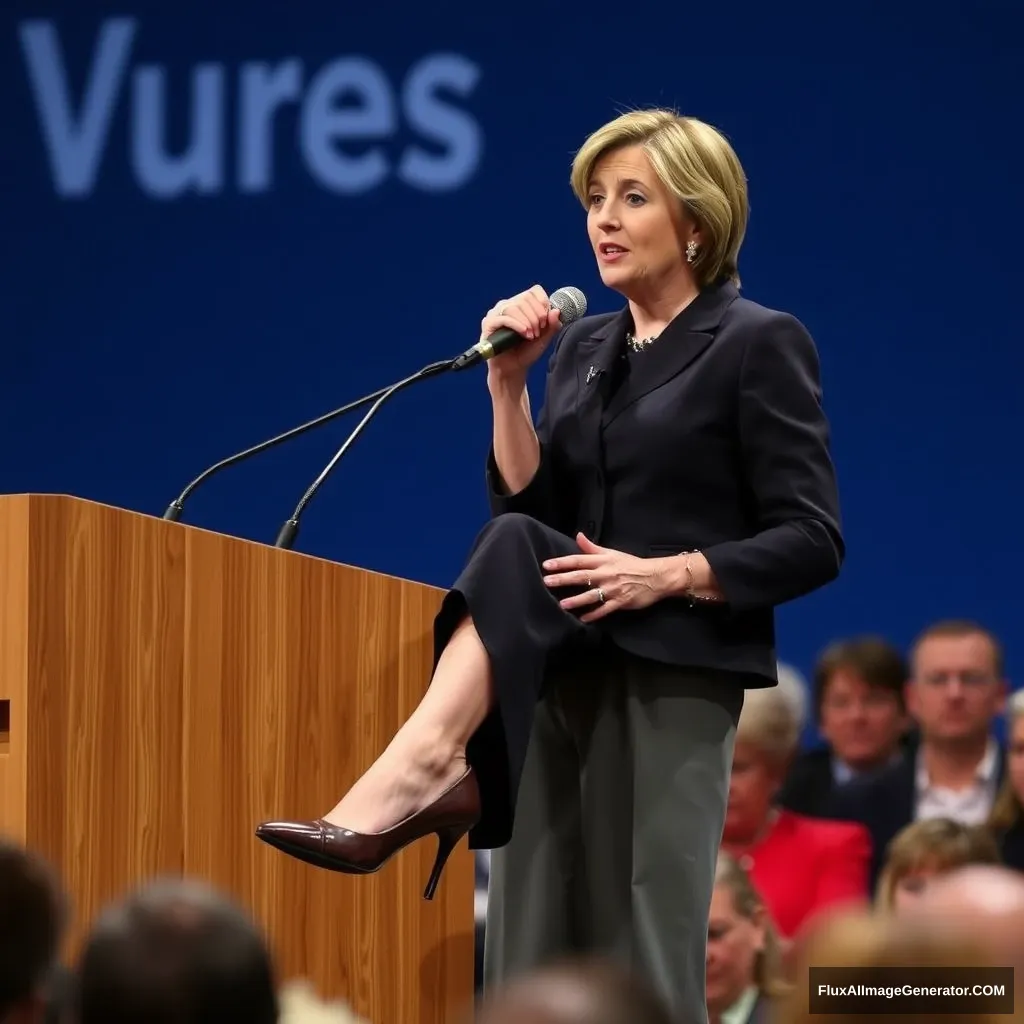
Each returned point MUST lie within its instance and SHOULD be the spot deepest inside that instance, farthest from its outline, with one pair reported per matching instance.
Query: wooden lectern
(163, 689)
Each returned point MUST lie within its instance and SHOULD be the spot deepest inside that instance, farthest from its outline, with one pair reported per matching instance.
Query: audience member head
(859, 700)
(956, 687)
(857, 938)
(175, 952)
(300, 1004)
(1009, 806)
(743, 949)
(767, 736)
(574, 992)
(32, 920)
(925, 850)
(982, 904)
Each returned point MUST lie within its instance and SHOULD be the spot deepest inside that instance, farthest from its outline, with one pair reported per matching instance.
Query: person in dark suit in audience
(956, 691)
(593, 655)
(1006, 822)
(861, 714)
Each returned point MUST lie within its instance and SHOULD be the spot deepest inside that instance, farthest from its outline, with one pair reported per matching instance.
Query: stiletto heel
(447, 840)
(325, 845)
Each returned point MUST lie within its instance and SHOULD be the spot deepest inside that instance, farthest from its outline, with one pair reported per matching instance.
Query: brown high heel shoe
(324, 845)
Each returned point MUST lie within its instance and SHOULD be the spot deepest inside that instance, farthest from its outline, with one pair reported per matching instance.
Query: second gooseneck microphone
(571, 304)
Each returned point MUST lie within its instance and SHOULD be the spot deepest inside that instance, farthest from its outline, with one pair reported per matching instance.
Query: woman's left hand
(624, 581)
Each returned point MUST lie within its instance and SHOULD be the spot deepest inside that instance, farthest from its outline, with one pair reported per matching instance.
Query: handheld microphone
(570, 302)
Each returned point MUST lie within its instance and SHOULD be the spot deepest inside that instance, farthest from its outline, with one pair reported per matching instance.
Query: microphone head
(570, 302)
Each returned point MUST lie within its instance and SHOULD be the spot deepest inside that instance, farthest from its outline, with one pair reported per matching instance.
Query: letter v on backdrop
(75, 125)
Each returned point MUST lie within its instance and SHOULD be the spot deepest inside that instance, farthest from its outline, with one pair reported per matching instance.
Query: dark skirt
(526, 634)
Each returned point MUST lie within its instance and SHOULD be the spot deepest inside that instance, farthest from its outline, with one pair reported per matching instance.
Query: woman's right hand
(530, 314)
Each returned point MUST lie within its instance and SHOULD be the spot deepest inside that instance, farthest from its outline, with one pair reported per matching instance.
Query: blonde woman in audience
(861, 939)
(799, 865)
(1007, 819)
(744, 963)
(925, 850)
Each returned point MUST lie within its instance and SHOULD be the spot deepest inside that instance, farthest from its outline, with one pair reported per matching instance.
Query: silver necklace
(639, 344)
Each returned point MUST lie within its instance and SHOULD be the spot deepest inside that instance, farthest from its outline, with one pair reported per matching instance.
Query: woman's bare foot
(398, 784)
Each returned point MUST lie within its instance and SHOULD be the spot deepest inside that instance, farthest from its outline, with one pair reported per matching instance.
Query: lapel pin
(592, 373)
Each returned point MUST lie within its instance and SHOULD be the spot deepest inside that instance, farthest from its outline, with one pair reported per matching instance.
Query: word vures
(349, 100)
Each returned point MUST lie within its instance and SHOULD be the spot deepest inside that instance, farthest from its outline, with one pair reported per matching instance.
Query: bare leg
(428, 753)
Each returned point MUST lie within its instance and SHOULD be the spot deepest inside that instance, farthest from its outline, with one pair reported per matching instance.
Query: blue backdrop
(218, 224)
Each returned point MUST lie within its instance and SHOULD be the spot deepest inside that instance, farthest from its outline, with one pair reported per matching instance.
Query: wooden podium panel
(163, 689)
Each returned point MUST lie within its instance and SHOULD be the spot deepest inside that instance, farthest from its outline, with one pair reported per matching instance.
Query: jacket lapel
(596, 358)
(682, 341)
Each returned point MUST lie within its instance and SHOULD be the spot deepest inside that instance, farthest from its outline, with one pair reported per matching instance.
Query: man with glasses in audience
(955, 692)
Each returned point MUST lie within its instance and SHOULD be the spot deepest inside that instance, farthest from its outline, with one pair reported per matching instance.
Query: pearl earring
(691, 251)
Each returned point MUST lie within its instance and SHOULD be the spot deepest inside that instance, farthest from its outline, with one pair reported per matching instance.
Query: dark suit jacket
(810, 782)
(808, 786)
(1011, 845)
(885, 803)
(713, 438)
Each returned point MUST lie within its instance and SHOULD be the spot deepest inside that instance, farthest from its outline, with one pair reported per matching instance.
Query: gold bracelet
(688, 589)
(691, 585)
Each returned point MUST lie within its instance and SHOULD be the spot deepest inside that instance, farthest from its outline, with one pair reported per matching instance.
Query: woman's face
(752, 786)
(734, 943)
(637, 228)
(1015, 757)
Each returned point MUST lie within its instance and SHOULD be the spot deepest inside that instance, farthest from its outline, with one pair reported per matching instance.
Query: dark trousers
(604, 778)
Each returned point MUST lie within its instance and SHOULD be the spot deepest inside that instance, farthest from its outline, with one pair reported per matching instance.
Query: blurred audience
(955, 692)
(926, 850)
(1007, 818)
(32, 922)
(175, 952)
(582, 992)
(859, 706)
(744, 962)
(862, 939)
(983, 906)
(910, 794)
(799, 865)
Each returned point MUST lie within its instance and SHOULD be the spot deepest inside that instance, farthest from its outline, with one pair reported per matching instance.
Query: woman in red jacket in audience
(799, 865)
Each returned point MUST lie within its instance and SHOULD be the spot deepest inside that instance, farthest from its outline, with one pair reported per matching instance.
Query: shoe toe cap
(290, 830)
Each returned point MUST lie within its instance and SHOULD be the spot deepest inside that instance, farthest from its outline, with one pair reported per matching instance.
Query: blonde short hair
(696, 163)
(773, 717)
(933, 844)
